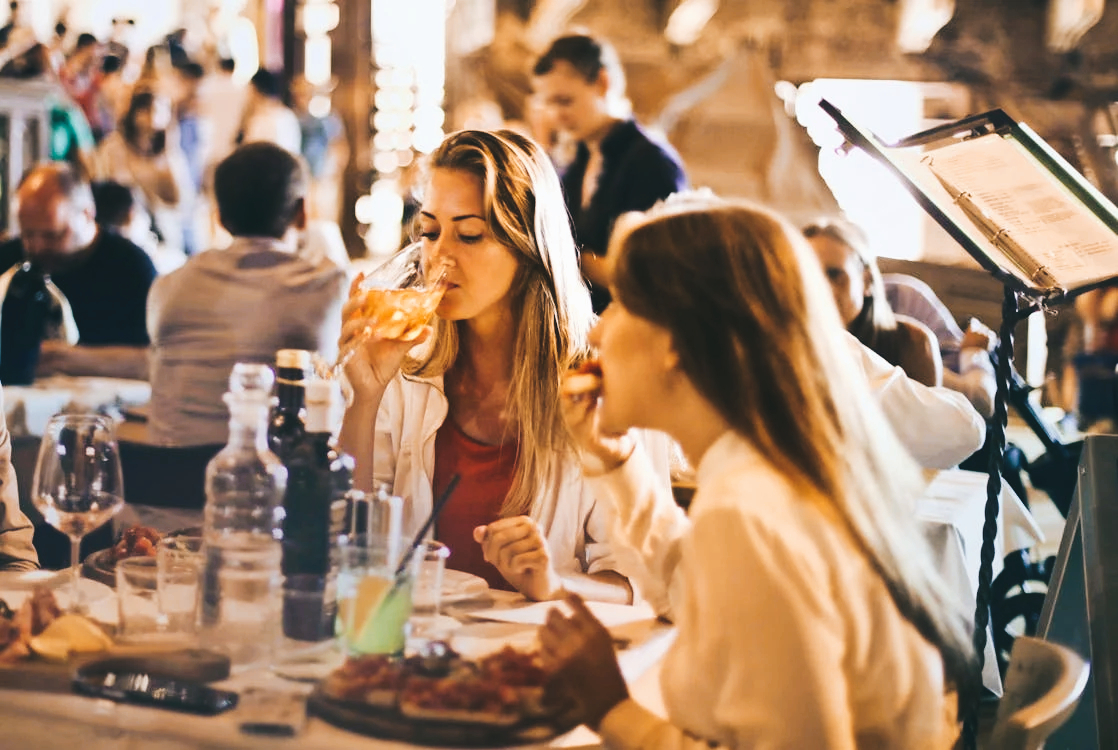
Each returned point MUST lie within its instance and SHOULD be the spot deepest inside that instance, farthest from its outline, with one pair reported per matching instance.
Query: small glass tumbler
(427, 590)
(179, 562)
(310, 608)
(143, 615)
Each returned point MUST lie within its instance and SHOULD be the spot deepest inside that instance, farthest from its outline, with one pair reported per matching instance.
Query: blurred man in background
(240, 304)
(104, 277)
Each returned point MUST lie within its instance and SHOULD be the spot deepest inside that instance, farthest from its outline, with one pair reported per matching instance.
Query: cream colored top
(570, 512)
(786, 637)
(16, 532)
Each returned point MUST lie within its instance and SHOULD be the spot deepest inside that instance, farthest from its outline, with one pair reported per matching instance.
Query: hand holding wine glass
(387, 314)
(78, 484)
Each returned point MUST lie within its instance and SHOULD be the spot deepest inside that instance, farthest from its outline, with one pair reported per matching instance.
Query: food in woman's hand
(500, 689)
(137, 541)
(584, 380)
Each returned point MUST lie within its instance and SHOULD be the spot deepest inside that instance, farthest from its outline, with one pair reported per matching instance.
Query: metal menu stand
(1031, 220)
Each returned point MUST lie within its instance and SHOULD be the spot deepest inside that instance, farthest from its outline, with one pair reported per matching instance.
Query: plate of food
(459, 586)
(136, 541)
(42, 647)
(36, 627)
(442, 699)
(18, 586)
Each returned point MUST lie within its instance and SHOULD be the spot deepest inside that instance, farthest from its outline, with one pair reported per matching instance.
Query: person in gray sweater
(240, 304)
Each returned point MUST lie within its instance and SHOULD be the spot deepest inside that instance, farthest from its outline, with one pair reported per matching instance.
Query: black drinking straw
(435, 510)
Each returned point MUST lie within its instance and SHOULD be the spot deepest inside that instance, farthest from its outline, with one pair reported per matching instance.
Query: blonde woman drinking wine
(808, 613)
(481, 398)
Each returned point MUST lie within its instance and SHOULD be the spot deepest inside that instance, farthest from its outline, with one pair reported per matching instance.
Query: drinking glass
(427, 590)
(154, 600)
(400, 298)
(179, 565)
(137, 594)
(77, 484)
(372, 612)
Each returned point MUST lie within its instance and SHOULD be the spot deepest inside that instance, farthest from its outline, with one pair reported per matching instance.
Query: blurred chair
(1042, 688)
(1097, 384)
(1016, 597)
(165, 477)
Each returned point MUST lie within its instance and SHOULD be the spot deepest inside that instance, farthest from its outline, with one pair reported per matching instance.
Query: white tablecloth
(29, 408)
(951, 514)
(44, 720)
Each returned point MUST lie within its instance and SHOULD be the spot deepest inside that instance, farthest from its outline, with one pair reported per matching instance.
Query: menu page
(1023, 210)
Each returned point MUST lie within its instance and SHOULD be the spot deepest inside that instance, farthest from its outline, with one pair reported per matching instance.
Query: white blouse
(570, 511)
(786, 637)
(938, 426)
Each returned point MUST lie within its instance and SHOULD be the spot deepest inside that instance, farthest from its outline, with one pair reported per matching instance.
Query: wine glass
(78, 484)
(400, 298)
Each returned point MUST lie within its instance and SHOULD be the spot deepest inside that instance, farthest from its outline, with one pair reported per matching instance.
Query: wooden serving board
(390, 724)
(195, 665)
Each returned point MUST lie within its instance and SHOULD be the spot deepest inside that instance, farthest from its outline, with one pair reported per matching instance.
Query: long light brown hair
(877, 316)
(525, 212)
(753, 323)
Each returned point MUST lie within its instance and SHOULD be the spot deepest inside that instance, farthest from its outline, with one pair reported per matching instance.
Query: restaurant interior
(460, 373)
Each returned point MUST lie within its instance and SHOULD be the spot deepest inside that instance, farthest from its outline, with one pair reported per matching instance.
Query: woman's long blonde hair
(757, 332)
(524, 210)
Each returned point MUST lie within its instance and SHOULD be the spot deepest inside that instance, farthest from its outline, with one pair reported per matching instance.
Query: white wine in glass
(78, 484)
(399, 298)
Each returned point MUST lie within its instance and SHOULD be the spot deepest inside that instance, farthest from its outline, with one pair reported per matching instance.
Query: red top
(486, 473)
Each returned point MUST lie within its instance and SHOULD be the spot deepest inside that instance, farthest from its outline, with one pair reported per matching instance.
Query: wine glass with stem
(399, 298)
(78, 484)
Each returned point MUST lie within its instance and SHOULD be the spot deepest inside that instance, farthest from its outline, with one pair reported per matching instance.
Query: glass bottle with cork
(318, 478)
(286, 425)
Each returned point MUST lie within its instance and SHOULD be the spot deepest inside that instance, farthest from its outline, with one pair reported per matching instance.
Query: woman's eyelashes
(468, 239)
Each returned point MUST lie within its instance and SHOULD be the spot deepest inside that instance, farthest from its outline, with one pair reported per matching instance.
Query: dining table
(951, 514)
(487, 623)
(28, 408)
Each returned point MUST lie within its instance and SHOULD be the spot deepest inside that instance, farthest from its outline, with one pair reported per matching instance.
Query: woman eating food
(478, 396)
(809, 614)
(856, 283)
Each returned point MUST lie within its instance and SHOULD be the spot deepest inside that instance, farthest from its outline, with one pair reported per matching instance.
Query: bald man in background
(104, 277)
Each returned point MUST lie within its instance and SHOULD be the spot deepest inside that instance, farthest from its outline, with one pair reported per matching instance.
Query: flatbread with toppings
(499, 690)
(375, 680)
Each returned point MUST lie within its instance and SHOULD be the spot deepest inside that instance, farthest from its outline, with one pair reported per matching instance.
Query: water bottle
(242, 582)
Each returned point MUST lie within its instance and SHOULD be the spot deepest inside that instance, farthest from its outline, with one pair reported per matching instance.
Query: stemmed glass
(78, 484)
(400, 297)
